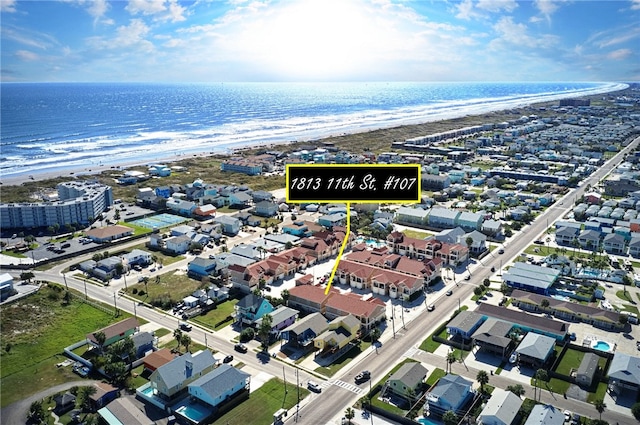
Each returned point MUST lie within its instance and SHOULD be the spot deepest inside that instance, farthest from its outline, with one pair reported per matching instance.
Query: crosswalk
(347, 386)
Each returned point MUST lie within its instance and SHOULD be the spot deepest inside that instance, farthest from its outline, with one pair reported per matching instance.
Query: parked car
(449, 293)
(314, 387)
(501, 251)
(431, 307)
(363, 376)
(538, 242)
(228, 359)
(241, 348)
(572, 336)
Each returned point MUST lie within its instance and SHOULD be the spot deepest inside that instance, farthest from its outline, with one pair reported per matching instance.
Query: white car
(314, 387)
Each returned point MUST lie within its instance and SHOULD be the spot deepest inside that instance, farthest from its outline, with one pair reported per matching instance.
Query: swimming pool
(371, 242)
(195, 412)
(427, 421)
(602, 346)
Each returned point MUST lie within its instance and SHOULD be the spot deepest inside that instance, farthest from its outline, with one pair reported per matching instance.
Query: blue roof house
(531, 278)
(452, 392)
(470, 221)
(266, 209)
(220, 385)
(184, 208)
(330, 220)
(230, 225)
(163, 192)
(443, 218)
(251, 308)
(201, 267)
(172, 378)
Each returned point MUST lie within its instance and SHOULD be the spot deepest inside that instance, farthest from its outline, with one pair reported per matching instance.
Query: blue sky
(320, 40)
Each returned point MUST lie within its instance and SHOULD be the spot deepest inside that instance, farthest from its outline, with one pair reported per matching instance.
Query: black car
(241, 348)
(449, 293)
(228, 359)
(363, 376)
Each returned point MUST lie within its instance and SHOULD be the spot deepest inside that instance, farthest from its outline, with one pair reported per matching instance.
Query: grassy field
(213, 318)
(171, 287)
(263, 403)
(416, 234)
(35, 329)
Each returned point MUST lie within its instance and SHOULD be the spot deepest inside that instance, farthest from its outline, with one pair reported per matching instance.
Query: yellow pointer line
(344, 243)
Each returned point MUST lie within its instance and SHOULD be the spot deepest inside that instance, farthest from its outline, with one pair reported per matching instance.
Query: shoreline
(405, 126)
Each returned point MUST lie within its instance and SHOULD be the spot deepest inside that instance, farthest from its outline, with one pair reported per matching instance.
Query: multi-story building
(79, 202)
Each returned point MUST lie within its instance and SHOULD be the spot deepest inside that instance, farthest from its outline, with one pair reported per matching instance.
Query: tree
(349, 414)
(450, 418)
(483, 379)
(600, 405)
(83, 397)
(477, 291)
(451, 358)
(27, 276)
(117, 370)
(285, 296)
(374, 334)
(186, 341)
(177, 334)
(36, 412)
(264, 331)
(516, 389)
(544, 303)
(635, 409)
(486, 282)
(100, 339)
(599, 422)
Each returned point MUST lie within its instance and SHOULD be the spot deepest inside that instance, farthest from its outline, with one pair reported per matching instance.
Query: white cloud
(497, 5)
(620, 54)
(98, 8)
(546, 8)
(635, 4)
(129, 36)
(517, 34)
(161, 10)
(27, 55)
(8, 6)
(466, 11)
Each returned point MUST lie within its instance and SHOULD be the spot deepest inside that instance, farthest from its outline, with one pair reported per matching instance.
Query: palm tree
(600, 405)
(264, 331)
(100, 339)
(83, 397)
(483, 379)
(451, 358)
(450, 418)
(186, 341)
(177, 334)
(516, 389)
(349, 414)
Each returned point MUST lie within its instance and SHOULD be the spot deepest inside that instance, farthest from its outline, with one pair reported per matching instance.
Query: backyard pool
(371, 242)
(427, 421)
(601, 346)
(195, 412)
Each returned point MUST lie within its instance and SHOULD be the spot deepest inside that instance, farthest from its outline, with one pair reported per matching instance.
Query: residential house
(302, 333)
(464, 324)
(407, 381)
(173, 378)
(239, 199)
(297, 228)
(493, 228)
(331, 220)
(177, 244)
(412, 216)
(182, 230)
(451, 392)
(124, 411)
(103, 395)
(452, 235)
(529, 277)
(614, 243)
(501, 409)
(64, 402)
(137, 256)
(535, 350)
(493, 336)
(266, 209)
(545, 414)
(154, 360)
(181, 207)
(624, 373)
(201, 267)
(478, 242)
(634, 246)
(469, 221)
(587, 369)
(220, 385)
(444, 218)
(261, 195)
(589, 239)
(251, 308)
(6, 286)
(370, 311)
(205, 211)
(230, 225)
(281, 318)
(143, 343)
(108, 233)
(113, 333)
(341, 332)
(524, 322)
(566, 235)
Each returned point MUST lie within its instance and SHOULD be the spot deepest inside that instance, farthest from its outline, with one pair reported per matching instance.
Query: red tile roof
(116, 329)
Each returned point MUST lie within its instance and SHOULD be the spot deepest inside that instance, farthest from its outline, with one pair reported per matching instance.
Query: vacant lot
(35, 330)
(165, 290)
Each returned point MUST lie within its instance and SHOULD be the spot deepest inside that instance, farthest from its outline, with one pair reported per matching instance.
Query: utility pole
(284, 377)
(64, 276)
(393, 322)
(85, 289)
(402, 312)
(298, 391)
(115, 305)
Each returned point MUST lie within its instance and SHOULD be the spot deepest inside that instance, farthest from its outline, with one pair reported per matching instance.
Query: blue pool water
(147, 391)
(602, 346)
(195, 412)
(427, 421)
(371, 242)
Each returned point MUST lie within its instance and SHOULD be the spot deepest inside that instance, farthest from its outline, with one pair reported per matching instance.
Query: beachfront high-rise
(78, 202)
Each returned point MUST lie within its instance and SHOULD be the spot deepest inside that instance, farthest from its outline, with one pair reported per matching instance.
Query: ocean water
(47, 127)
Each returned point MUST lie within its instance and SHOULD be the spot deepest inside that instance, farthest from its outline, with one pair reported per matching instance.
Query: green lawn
(36, 329)
(214, 319)
(263, 403)
(137, 230)
(599, 394)
(416, 234)
(171, 288)
(430, 345)
(570, 360)
(346, 358)
(435, 375)
(624, 295)
(162, 332)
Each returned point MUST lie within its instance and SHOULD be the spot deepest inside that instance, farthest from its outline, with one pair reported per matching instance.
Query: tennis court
(159, 221)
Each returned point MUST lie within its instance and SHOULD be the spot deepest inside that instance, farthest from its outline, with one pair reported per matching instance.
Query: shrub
(142, 293)
(247, 335)
(134, 291)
